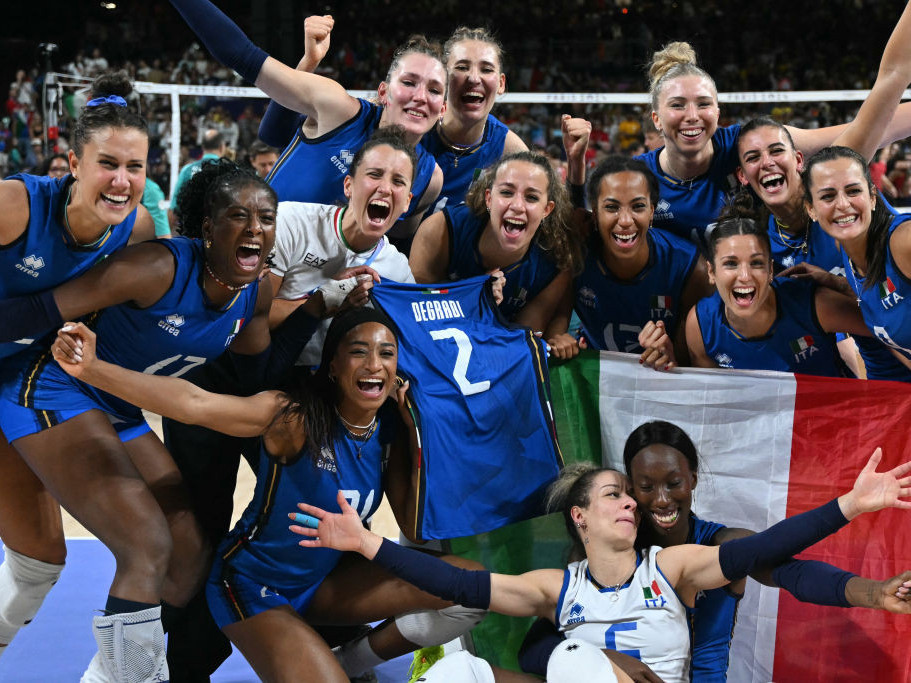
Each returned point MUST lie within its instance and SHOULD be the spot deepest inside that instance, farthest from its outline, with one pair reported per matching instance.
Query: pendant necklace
(69, 230)
(360, 438)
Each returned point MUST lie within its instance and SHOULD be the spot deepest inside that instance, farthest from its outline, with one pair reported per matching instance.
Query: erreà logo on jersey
(723, 360)
(342, 160)
(31, 265)
(171, 323)
(575, 614)
(586, 297)
(888, 297)
(663, 209)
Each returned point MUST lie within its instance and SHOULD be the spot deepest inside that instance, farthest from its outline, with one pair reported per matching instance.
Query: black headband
(344, 322)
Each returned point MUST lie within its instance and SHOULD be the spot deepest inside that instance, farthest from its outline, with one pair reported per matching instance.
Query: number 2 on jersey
(460, 371)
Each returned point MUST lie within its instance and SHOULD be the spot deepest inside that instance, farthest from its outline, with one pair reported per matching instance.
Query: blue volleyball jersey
(45, 256)
(480, 400)
(688, 209)
(175, 334)
(881, 302)
(823, 251)
(524, 279)
(460, 169)
(712, 619)
(819, 249)
(614, 311)
(260, 545)
(313, 170)
(795, 342)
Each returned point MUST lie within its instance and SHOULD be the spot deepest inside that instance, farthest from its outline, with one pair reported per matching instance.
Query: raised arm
(530, 594)
(692, 568)
(321, 99)
(170, 397)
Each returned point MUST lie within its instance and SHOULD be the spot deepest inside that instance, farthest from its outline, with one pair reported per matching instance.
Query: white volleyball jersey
(643, 618)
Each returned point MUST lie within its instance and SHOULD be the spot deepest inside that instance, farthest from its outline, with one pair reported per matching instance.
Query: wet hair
(880, 221)
(673, 61)
(659, 432)
(555, 235)
(312, 399)
(213, 186)
(418, 44)
(618, 163)
(392, 136)
(107, 115)
(573, 489)
(480, 34)
(738, 218)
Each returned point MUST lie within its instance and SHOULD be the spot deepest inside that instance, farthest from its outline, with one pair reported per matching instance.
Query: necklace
(231, 288)
(790, 242)
(614, 588)
(69, 230)
(459, 150)
(361, 438)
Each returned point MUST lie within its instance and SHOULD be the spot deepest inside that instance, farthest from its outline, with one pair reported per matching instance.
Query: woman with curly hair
(515, 220)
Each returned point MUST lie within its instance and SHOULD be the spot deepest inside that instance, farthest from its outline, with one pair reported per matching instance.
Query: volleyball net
(57, 83)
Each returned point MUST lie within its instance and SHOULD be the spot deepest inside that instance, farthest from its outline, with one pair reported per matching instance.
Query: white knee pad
(435, 627)
(24, 581)
(130, 648)
(459, 666)
(576, 660)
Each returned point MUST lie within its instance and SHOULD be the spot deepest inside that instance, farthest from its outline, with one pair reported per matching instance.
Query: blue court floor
(57, 646)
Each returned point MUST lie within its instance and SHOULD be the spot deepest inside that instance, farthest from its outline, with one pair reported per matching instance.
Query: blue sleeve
(279, 124)
(222, 37)
(774, 546)
(431, 574)
(25, 316)
(815, 582)
(539, 644)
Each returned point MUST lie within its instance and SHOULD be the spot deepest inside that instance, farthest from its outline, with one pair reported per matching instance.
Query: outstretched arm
(170, 397)
(530, 594)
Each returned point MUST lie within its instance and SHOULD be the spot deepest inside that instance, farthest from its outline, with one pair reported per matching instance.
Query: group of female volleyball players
(657, 256)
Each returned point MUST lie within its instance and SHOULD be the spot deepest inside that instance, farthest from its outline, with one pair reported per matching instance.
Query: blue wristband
(26, 316)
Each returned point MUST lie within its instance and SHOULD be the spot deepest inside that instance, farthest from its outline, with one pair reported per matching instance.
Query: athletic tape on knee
(24, 582)
(459, 666)
(435, 627)
(131, 646)
(576, 660)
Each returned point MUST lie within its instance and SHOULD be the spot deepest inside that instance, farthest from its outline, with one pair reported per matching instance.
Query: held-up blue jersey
(313, 169)
(795, 342)
(460, 169)
(614, 311)
(524, 279)
(45, 256)
(823, 251)
(480, 399)
(712, 619)
(882, 303)
(173, 335)
(260, 545)
(687, 209)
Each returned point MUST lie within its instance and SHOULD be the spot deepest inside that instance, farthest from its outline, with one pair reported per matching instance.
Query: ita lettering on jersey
(662, 307)
(652, 596)
(888, 297)
(575, 614)
(30, 265)
(803, 348)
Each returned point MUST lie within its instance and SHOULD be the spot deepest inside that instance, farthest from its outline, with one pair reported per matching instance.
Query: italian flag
(238, 324)
(771, 445)
(801, 344)
(661, 301)
(886, 288)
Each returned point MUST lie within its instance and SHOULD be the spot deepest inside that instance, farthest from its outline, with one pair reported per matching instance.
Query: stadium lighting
(109, 5)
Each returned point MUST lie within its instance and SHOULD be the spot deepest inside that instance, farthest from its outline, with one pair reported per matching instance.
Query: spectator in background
(153, 199)
(651, 135)
(56, 166)
(213, 147)
(262, 157)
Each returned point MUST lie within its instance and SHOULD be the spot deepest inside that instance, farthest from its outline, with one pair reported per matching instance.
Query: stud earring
(208, 243)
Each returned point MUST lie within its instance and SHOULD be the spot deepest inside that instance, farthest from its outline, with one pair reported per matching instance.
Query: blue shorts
(233, 596)
(17, 421)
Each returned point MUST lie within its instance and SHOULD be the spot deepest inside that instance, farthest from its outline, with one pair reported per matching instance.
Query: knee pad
(576, 660)
(435, 627)
(130, 648)
(458, 666)
(24, 581)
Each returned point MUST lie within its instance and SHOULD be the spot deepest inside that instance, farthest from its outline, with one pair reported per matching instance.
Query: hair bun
(112, 83)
